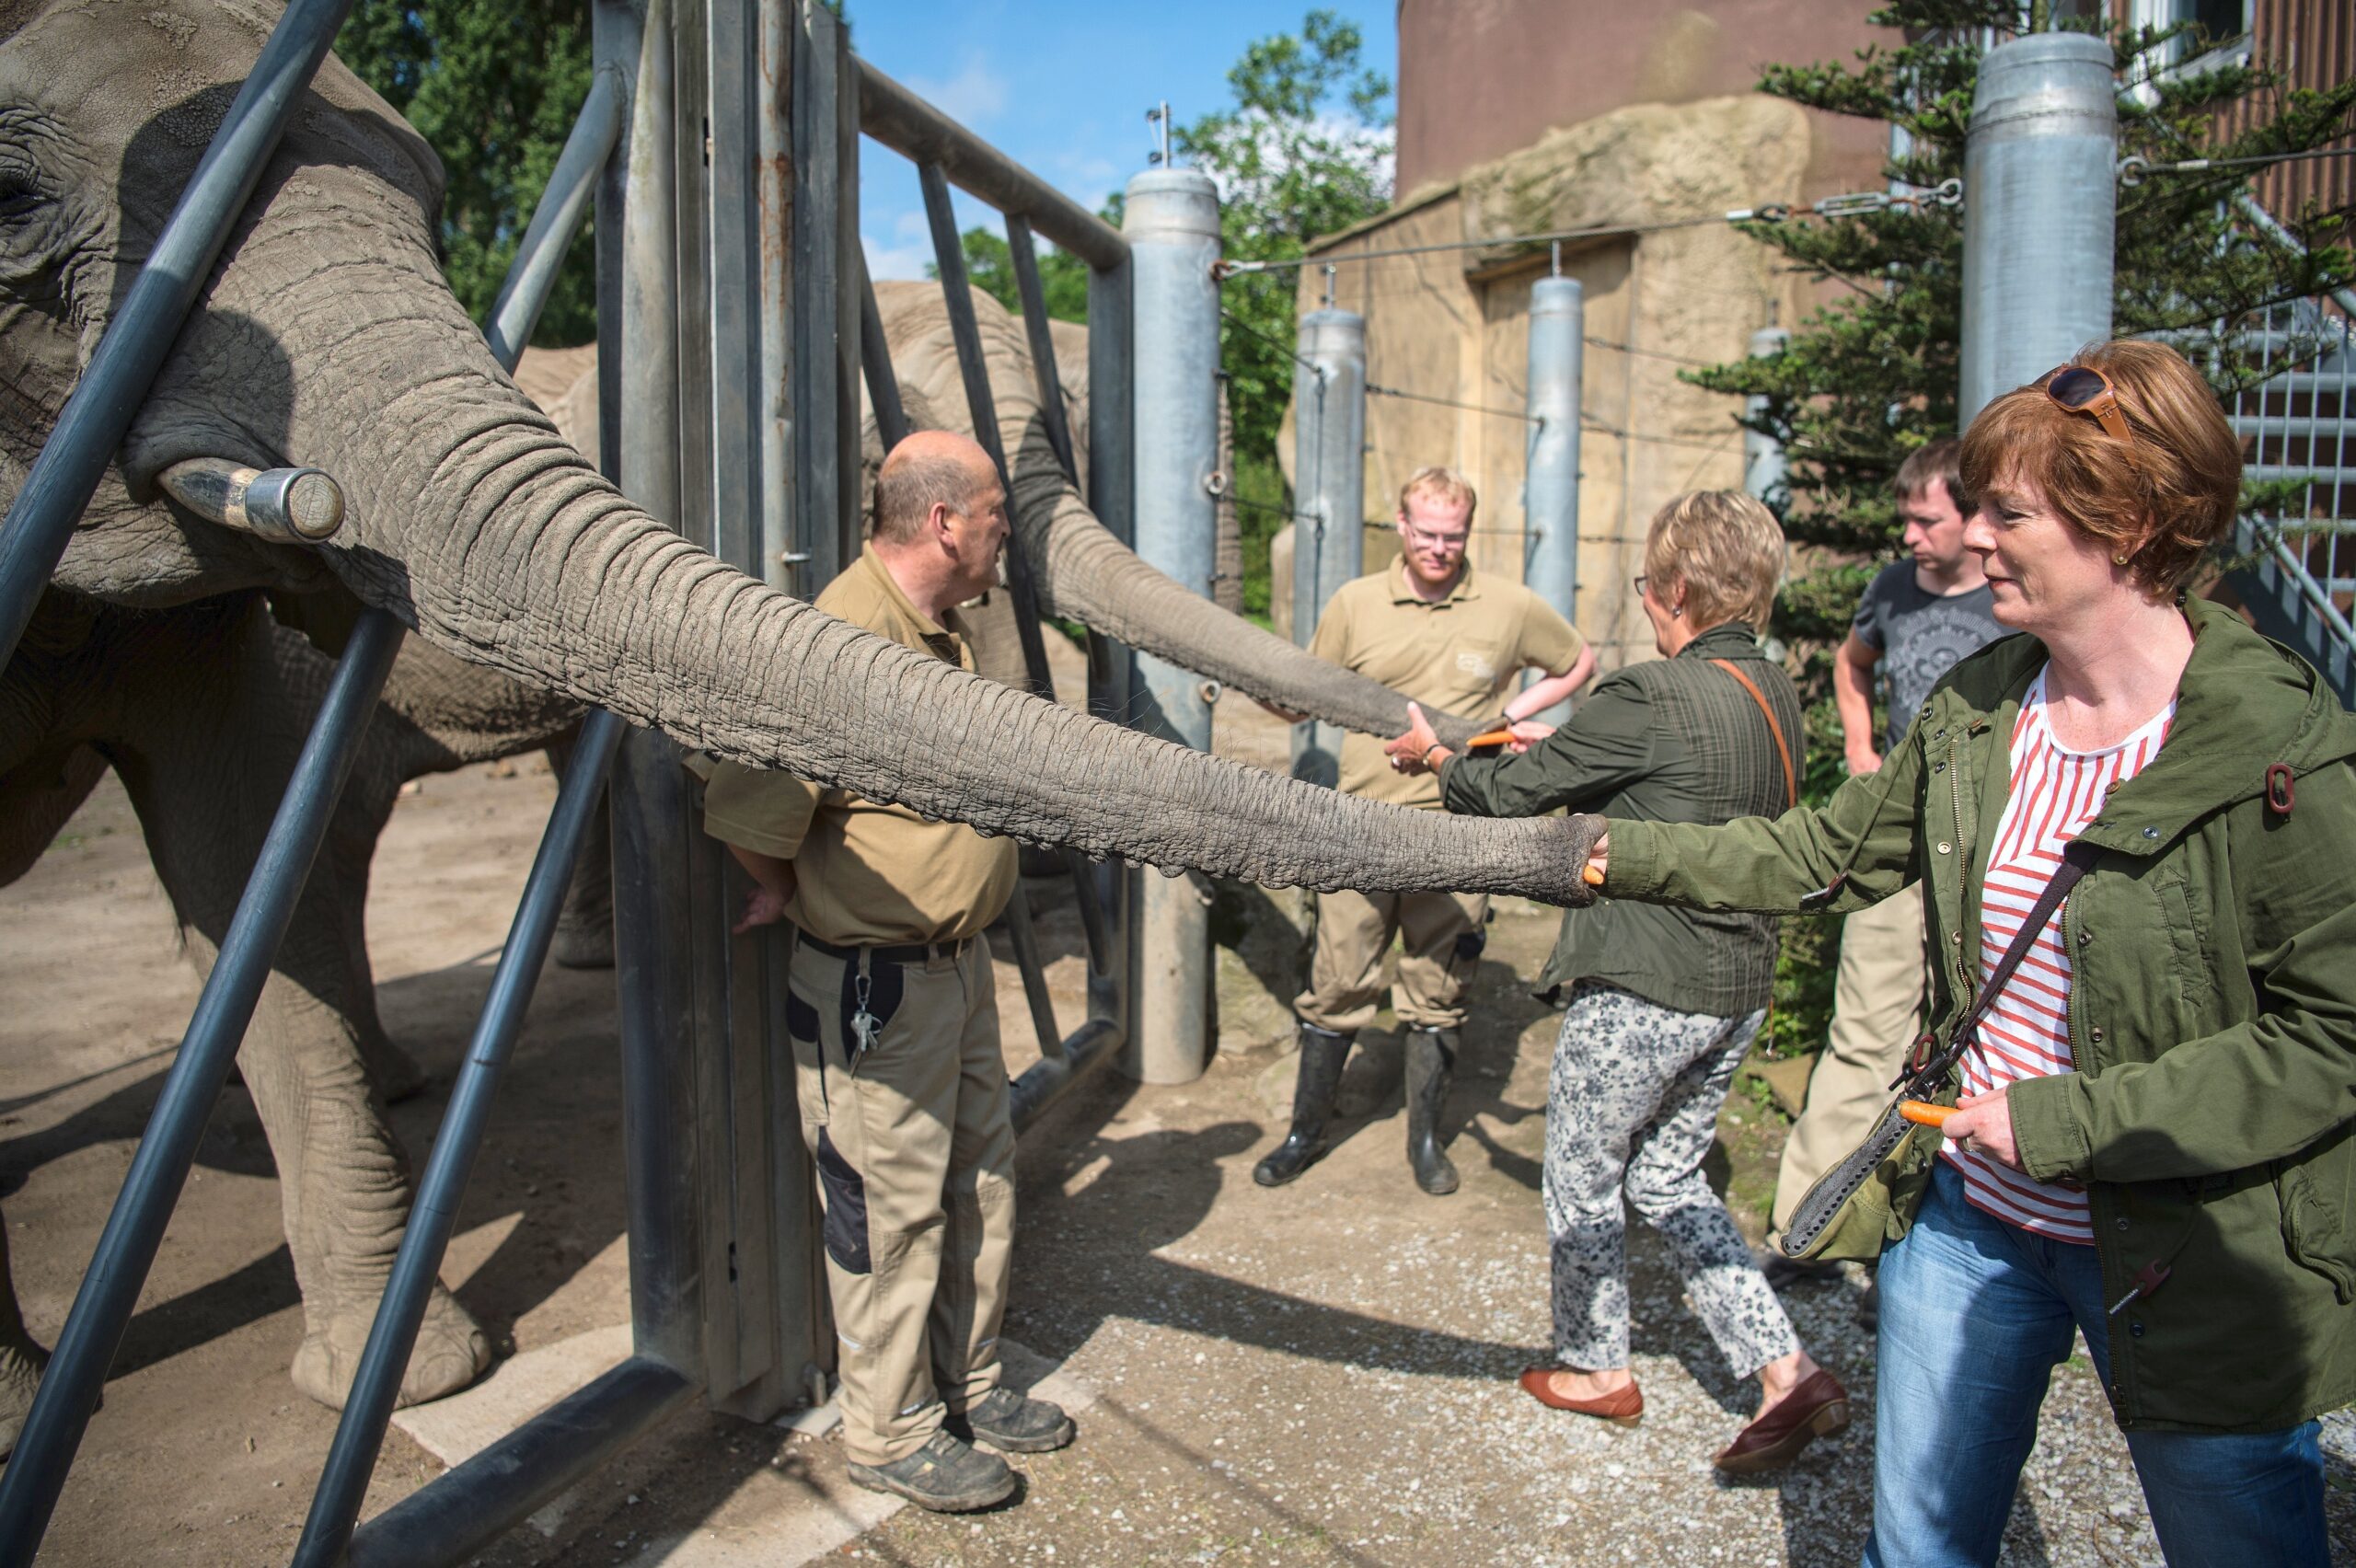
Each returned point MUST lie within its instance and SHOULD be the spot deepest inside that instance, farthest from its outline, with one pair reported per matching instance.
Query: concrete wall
(1454, 325)
(1479, 78)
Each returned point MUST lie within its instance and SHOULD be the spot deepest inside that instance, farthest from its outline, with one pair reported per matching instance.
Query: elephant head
(327, 337)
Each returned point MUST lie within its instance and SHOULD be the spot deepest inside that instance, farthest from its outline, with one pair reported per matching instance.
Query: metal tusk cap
(290, 506)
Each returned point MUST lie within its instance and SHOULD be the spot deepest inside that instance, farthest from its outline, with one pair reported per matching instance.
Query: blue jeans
(1975, 1315)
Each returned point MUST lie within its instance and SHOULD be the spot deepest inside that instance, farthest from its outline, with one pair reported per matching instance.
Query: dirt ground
(1320, 1374)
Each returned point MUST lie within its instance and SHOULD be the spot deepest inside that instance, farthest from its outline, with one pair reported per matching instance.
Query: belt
(905, 952)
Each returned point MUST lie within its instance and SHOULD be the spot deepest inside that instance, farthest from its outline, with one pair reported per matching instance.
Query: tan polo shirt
(1461, 655)
(867, 874)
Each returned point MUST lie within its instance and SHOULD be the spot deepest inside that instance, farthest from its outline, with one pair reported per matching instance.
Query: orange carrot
(1924, 1113)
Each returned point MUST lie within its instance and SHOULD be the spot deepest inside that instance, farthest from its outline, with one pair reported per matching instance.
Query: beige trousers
(1439, 936)
(1876, 1012)
(915, 1175)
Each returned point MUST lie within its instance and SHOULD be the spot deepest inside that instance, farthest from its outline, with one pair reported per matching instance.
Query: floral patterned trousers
(1632, 1108)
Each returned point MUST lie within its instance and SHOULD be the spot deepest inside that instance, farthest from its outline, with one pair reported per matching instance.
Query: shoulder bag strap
(2076, 857)
(1790, 774)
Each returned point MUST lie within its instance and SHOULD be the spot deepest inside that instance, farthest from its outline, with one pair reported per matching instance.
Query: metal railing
(2297, 560)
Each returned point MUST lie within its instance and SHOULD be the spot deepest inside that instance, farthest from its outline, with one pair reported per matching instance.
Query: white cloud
(974, 94)
(906, 255)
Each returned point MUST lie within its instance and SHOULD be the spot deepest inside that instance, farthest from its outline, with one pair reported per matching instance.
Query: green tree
(1304, 151)
(493, 86)
(1873, 375)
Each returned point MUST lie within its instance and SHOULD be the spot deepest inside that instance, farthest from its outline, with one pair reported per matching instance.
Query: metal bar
(2040, 161)
(77, 1368)
(1330, 443)
(875, 360)
(921, 133)
(1111, 471)
(1025, 938)
(1170, 218)
(1087, 1048)
(433, 1214)
(97, 417)
(827, 303)
(949, 255)
(557, 218)
(1551, 484)
(649, 789)
(1043, 341)
(502, 1485)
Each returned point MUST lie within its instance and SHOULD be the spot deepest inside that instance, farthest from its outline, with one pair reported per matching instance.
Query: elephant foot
(582, 944)
(20, 1368)
(393, 1072)
(451, 1353)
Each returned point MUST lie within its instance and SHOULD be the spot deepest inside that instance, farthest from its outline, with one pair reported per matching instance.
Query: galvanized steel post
(1551, 489)
(2040, 199)
(1762, 456)
(1172, 225)
(1329, 496)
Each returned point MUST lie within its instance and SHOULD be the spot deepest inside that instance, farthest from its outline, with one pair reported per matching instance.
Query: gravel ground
(1318, 1374)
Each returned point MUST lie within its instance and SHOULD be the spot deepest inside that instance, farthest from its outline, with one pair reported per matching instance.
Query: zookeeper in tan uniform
(1432, 630)
(892, 1014)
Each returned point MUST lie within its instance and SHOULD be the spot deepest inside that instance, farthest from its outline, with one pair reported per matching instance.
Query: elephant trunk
(473, 520)
(1087, 574)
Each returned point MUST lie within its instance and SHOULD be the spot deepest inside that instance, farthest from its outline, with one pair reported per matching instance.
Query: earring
(2118, 559)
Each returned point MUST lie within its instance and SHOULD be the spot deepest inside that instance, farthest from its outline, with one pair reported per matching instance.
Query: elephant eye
(20, 193)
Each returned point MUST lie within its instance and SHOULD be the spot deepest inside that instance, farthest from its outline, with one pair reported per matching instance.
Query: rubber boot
(1322, 1051)
(1431, 1068)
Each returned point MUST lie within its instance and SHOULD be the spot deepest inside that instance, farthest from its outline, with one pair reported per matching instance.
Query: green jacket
(1668, 740)
(2212, 1003)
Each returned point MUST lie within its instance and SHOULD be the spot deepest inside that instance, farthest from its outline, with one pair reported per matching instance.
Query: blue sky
(1061, 85)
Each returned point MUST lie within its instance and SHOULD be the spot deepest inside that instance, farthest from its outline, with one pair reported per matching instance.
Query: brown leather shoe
(1818, 1407)
(1621, 1407)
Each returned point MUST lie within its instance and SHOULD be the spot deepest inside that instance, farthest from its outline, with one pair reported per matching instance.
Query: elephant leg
(343, 1178)
(344, 1192)
(20, 1359)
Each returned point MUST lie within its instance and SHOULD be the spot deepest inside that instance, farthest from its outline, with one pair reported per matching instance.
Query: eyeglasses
(1640, 585)
(2082, 389)
(1433, 541)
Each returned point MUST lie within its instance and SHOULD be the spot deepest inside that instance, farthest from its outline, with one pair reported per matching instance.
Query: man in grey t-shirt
(1917, 618)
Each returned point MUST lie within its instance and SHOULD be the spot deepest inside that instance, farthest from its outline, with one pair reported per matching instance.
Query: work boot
(1013, 1423)
(1431, 1068)
(1322, 1051)
(946, 1475)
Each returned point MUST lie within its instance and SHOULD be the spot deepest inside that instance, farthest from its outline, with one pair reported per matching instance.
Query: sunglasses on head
(2082, 389)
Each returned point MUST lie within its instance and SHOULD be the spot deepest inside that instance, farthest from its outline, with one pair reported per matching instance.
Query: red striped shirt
(2055, 793)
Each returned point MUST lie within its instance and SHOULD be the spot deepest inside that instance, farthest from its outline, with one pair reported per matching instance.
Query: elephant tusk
(288, 506)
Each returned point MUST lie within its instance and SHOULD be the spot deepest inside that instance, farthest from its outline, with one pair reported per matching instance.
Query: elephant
(325, 336)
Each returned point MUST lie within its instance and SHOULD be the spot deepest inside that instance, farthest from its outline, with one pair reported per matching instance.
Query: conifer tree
(1873, 375)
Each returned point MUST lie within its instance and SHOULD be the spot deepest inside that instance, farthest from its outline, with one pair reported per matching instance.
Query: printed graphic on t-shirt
(1921, 636)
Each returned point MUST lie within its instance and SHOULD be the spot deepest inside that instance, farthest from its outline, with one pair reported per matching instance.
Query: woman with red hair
(2154, 1146)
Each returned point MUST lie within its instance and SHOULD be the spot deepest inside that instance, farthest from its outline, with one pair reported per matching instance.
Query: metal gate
(720, 140)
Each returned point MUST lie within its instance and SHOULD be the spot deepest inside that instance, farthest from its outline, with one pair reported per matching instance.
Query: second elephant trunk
(1084, 572)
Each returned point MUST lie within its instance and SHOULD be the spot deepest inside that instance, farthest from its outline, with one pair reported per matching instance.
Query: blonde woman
(1662, 1002)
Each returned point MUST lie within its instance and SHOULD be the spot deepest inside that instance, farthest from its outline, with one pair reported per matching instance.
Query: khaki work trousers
(1876, 1013)
(915, 1172)
(1440, 938)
